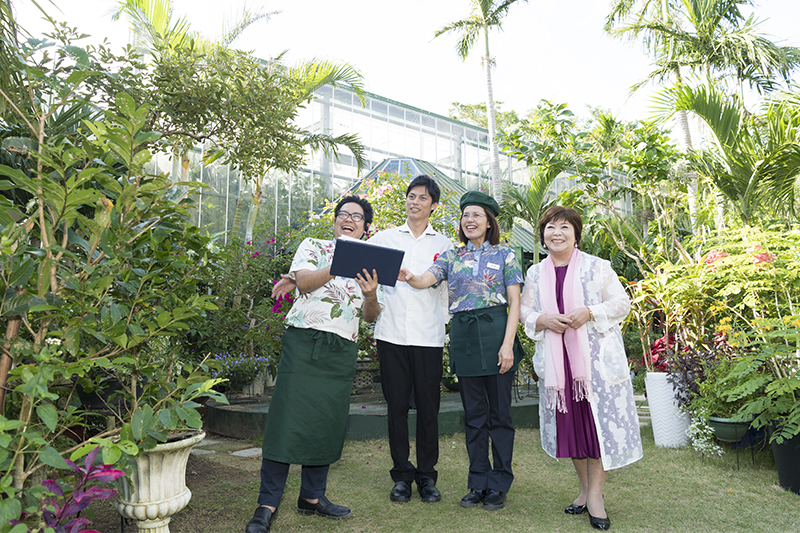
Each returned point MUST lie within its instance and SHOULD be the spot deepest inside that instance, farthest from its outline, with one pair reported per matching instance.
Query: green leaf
(111, 455)
(193, 419)
(168, 418)
(42, 307)
(11, 509)
(49, 415)
(51, 457)
(137, 425)
(21, 274)
(121, 340)
(163, 318)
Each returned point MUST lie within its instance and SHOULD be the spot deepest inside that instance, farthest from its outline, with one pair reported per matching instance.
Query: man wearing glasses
(410, 338)
(308, 412)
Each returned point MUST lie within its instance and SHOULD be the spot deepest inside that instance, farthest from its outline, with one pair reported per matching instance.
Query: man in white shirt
(410, 338)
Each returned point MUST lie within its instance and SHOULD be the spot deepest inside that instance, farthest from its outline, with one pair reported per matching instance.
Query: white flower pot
(159, 485)
(669, 423)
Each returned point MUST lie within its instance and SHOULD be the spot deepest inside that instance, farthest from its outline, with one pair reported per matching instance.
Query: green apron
(307, 416)
(475, 339)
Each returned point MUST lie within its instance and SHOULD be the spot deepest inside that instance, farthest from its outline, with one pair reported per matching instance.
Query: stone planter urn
(159, 485)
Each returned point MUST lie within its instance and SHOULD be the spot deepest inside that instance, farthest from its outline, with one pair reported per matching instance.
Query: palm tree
(158, 33)
(755, 160)
(709, 36)
(10, 81)
(486, 15)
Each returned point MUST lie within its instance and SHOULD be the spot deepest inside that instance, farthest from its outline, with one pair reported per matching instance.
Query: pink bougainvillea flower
(256, 254)
(714, 256)
(763, 257)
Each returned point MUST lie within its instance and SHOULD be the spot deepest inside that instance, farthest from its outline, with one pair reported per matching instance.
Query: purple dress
(575, 432)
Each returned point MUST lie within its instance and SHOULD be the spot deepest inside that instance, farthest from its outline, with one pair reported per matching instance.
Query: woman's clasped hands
(559, 323)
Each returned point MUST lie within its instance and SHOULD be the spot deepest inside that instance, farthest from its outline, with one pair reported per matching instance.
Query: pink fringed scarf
(576, 340)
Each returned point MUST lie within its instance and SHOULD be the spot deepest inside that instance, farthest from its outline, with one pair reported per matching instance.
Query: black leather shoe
(261, 521)
(575, 509)
(603, 524)
(401, 492)
(474, 498)
(494, 500)
(323, 507)
(428, 492)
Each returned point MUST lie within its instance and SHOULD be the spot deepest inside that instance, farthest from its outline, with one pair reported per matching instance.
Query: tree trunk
(494, 153)
(251, 219)
(12, 331)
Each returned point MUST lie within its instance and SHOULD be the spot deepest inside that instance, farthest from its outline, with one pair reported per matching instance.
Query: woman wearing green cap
(484, 293)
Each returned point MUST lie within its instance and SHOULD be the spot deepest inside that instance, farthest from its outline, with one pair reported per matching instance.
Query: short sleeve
(304, 257)
(441, 266)
(512, 273)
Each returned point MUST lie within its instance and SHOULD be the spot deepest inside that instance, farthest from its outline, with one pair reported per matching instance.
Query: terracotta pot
(159, 485)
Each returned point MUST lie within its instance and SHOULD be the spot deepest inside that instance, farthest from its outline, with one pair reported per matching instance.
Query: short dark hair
(430, 185)
(567, 214)
(363, 202)
(492, 232)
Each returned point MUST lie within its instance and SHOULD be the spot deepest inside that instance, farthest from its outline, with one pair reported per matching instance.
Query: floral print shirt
(336, 306)
(477, 278)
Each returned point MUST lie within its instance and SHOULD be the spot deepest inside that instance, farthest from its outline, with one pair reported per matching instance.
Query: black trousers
(404, 368)
(487, 414)
(314, 480)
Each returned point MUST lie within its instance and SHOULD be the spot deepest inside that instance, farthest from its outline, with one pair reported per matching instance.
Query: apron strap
(334, 342)
(472, 319)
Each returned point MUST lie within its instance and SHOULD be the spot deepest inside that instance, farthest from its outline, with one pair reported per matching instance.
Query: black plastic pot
(787, 462)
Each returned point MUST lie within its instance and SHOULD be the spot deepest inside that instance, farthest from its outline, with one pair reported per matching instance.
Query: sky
(547, 49)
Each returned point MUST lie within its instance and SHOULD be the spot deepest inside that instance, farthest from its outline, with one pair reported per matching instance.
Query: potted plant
(770, 389)
(700, 377)
(96, 275)
(244, 330)
(665, 306)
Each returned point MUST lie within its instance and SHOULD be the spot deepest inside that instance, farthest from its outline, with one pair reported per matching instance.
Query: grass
(668, 490)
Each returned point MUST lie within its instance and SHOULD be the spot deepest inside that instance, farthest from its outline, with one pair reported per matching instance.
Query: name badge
(493, 266)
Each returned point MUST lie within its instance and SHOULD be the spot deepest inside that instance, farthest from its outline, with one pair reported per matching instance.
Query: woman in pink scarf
(572, 305)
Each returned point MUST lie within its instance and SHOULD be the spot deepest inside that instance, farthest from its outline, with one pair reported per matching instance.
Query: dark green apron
(475, 340)
(307, 416)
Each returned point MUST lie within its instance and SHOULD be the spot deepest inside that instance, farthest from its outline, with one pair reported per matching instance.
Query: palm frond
(314, 74)
(330, 146)
(247, 19)
(152, 23)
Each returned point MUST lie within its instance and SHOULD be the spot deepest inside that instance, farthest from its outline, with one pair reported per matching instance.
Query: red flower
(714, 256)
(435, 257)
(763, 257)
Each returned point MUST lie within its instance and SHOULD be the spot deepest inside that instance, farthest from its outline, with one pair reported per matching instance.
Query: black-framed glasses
(355, 217)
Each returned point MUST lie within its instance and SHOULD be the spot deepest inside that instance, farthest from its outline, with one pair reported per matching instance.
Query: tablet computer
(351, 256)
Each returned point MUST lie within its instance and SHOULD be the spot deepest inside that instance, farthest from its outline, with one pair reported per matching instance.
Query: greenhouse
(231, 283)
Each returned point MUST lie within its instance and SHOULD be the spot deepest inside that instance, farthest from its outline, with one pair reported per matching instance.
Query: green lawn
(668, 490)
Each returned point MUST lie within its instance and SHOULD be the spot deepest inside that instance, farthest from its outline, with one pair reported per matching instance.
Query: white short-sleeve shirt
(413, 317)
(336, 306)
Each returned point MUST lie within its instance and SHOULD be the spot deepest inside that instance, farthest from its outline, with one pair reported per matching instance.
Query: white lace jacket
(612, 401)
